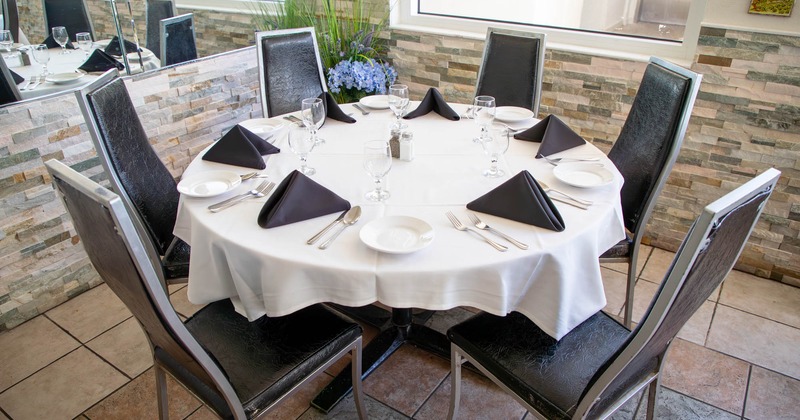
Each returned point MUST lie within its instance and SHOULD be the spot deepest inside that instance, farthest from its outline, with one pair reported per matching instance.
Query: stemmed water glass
(398, 102)
(313, 113)
(302, 143)
(494, 145)
(483, 111)
(61, 36)
(84, 41)
(377, 163)
(42, 56)
(6, 42)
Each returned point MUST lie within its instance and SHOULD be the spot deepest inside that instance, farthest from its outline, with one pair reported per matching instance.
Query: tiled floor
(738, 357)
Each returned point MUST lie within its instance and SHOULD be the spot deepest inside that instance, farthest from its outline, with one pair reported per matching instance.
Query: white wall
(732, 14)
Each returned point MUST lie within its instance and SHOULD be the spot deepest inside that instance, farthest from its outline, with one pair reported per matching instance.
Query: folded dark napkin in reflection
(332, 109)
(113, 47)
(554, 135)
(100, 61)
(240, 147)
(433, 101)
(17, 78)
(51, 43)
(521, 199)
(299, 198)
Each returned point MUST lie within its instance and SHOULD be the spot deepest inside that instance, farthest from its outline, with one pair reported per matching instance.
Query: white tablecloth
(556, 282)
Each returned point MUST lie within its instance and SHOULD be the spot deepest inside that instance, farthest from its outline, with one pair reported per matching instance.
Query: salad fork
(261, 190)
(460, 226)
(483, 226)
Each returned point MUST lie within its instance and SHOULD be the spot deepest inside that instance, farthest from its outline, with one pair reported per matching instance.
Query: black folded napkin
(299, 198)
(17, 78)
(51, 43)
(521, 199)
(332, 109)
(113, 47)
(433, 101)
(240, 147)
(554, 135)
(100, 61)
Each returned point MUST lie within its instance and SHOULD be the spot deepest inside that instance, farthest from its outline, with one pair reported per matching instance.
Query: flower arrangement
(349, 80)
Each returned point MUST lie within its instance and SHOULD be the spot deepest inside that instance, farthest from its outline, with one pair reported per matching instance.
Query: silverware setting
(325, 230)
(568, 199)
(460, 226)
(33, 82)
(483, 226)
(361, 108)
(350, 218)
(260, 191)
(252, 175)
(293, 119)
(556, 161)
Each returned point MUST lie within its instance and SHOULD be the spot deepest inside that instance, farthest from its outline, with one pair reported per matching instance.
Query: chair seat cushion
(176, 261)
(621, 249)
(265, 358)
(549, 375)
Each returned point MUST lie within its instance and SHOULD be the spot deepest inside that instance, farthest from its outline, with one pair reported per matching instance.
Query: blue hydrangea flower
(367, 76)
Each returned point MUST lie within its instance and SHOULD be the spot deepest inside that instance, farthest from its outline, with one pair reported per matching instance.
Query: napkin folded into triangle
(433, 101)
(240, 147)
(51, 43)
(100, 61)
(554, 135)
(17, 78)
(521, 199)
(332, 109)
(113, 47)
(299, 198)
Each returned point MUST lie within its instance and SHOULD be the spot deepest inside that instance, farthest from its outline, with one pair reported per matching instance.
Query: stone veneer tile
(762, 297)
(91, 313)
(480, 398)
(772, 396)
(124, 346)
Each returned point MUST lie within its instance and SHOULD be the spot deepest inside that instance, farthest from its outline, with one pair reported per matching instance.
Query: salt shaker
(394, 143)
(407, 146)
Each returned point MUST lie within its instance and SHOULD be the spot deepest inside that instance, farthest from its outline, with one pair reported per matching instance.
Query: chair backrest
(651, 138)
(155, 10)
(11, 18)
(71, 14)
(127, 264)
(9, 93)
(134, 170)
(177, 39)
(290, 69)
(513, 63)
(705, 257)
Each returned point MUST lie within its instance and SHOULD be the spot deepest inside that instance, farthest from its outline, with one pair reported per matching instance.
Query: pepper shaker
(394, 143)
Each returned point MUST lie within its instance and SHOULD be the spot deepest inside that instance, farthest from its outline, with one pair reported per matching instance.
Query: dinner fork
(460, 226)
(361, 108)
(556, 161)
(28, 83)
(261, 190)
(547, 189)
(483, 226)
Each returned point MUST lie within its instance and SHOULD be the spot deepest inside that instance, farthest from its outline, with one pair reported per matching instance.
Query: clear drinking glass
(483, 111)
(377, 163)
(84, 41)
(494, 145)
(61, 36)
(6, 42)
(42, 56)
(398, 102)
(313, 113)
(302, 143)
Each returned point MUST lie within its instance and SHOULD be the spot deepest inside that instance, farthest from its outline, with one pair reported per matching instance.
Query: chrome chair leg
(652, 397)
(358, 395)
(455, 378)
(161, 392)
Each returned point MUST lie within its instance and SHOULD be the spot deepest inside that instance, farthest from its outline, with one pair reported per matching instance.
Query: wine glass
(483, 111)
(6, 42)
(302, 143)
(313, 113)
(84, 41)
(494, 145)
(398, 102)
(42, 56)
(377, 162)
(60, 35)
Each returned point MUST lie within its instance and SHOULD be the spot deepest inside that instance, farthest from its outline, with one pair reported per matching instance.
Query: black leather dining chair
(290, 69)
(155, 10)
(178, 43)
(600, 364)
(134, 170)
(512, 68)
(644, 154)
(71, 14)
(11, 18)
(238, 369)
(9, 93)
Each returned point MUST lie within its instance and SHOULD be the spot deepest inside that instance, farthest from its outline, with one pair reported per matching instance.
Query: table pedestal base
(401, 330)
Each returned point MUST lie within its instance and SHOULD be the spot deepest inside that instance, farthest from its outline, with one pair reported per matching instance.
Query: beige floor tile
(63, 389)
(3, 416)
(696, 329)
(124, 346)
(614, 284)
(644, 253)
(657, 265)
(480, 399)
(30, 347)
(203, 413)
(300, 401)
(137, 400)
(90, 314)
(181, 303)
(643, 294)
(767, 298)
(772, 396)
(757, 340)
(706, 375)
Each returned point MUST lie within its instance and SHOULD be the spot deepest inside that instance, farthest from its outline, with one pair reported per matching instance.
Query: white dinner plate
(512, 114)
(375, 101)
(209, 183)
(61, 78)
(583, 174)
(262, 127)
(146, 55)
(397, 234)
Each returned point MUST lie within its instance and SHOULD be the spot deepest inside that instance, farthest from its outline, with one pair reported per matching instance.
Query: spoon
(350, 218)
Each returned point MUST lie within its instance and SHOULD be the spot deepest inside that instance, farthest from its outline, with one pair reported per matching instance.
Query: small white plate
(583, 174)
(512, 114)
(262, 127)
(209, 183)
(61, 78)
(375, 101)
(397, 234)
(146, 55)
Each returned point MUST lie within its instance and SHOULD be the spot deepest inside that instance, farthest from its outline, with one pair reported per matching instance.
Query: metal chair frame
(164, 24)
(84, 9)
(8, 80)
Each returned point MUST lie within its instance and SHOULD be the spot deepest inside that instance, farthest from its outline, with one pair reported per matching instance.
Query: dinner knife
(325, 230)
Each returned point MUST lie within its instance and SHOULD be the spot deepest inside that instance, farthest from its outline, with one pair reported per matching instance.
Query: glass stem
(378, 186)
